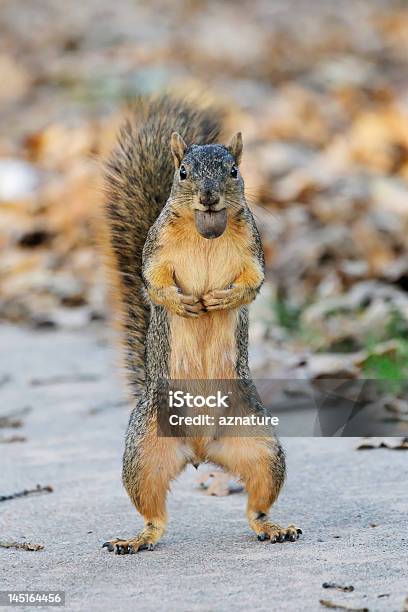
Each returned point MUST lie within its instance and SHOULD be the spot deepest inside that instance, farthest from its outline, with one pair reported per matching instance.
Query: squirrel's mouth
(211, 223)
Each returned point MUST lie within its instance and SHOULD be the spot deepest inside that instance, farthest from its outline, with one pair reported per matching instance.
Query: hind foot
(145, 540)
(265, 530)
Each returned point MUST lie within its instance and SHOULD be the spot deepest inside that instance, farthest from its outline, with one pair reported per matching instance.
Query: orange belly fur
(205, 347)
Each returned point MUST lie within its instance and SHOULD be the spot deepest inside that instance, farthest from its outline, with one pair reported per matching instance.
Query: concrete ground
(209, 559)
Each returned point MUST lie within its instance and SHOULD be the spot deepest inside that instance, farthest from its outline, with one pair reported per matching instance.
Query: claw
(127, 547)
(275, 533)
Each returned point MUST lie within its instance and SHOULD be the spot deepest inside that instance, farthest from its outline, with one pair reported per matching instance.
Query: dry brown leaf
(12, 439)
(217, 483)
(21, 545)
(338, 587)
(327, 603)
(371, 445)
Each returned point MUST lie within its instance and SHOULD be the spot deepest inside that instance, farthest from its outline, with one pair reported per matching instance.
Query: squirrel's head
(207, 181)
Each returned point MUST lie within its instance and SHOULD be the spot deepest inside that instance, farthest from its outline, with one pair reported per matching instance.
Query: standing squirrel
(187, 259)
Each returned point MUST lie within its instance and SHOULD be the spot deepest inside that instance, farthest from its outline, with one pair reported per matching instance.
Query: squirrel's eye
(183, 173)
(234, 171)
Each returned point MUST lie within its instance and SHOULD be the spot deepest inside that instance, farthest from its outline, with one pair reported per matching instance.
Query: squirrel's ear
(178, 148)
(235, 147)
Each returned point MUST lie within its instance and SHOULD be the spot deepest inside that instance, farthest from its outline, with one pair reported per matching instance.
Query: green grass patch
(287, 315)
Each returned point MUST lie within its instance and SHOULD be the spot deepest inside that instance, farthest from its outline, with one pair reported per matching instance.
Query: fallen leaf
(334, 606)
(333, 585)
(13, 419)
(21, 545)
(12, 439)
(27, 492)
(401, 445)
(217, 483)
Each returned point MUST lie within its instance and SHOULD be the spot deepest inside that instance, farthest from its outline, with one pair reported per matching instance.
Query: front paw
(174, 301)
(189, 306)
(223, 299)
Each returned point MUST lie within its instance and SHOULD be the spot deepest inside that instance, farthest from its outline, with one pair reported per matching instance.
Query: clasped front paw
(221, 299)
(190, 306)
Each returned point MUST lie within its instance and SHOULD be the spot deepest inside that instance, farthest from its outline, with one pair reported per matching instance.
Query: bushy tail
(138, 179)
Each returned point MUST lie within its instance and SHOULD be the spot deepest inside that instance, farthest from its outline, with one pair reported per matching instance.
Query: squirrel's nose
(209, 198)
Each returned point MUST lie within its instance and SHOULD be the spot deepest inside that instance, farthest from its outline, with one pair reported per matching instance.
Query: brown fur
(138, 180)
(198, 289)
(204, 347)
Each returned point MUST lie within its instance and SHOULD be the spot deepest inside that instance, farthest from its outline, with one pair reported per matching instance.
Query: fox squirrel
(187, 259)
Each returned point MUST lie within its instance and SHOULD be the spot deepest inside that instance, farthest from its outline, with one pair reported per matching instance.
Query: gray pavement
(209, 559)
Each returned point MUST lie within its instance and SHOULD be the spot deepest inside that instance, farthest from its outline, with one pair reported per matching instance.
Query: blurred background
(320, 92)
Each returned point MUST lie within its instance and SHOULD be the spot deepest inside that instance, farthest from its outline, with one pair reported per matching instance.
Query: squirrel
(187, 260)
